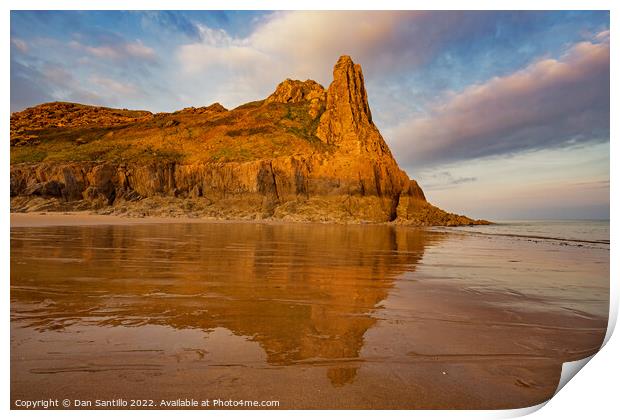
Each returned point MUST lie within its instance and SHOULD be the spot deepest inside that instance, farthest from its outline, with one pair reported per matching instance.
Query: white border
(592, 395)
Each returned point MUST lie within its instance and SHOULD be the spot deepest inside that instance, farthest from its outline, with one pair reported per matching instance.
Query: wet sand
(314, 316)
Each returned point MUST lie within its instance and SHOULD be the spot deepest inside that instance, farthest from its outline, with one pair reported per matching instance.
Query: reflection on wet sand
(302, 294)
(315, 316)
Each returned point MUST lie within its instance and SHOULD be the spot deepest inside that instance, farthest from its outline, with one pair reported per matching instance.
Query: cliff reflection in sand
(305, 294)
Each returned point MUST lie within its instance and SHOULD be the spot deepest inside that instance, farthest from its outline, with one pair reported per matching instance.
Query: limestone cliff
(304, 153)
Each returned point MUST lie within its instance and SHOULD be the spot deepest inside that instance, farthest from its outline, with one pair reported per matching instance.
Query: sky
(498, 115)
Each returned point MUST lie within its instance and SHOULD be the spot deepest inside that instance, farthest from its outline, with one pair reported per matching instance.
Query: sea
(592, 233)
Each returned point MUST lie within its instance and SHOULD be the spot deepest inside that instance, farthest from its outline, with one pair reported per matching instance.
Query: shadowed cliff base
(303, 154)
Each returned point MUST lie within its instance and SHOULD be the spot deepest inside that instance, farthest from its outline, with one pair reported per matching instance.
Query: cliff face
(304, 153)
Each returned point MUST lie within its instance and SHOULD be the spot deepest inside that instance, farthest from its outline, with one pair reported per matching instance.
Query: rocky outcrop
(294, 91)
(297, 91)
(344, 172)
(67, 115)
(347, 119)
(214, 108)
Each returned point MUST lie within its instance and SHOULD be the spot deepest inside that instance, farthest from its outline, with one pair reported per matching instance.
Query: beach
(309, 315)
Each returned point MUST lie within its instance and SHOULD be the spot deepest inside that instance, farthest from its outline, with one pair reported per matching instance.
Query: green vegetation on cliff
(250, 132)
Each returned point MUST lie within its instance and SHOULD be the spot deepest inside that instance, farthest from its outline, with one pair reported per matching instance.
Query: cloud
(306, 44)
(62, 85)
(531, 183)
(383, 41)
(602, 36)
(445, 180)
(172, 21)
(220, 51)
(49, 82)
(114, 87)
(139, 50)
(20, 45)
(550, 103)
(120, 51)
(604, 184)
(75, 74)
(27, 87)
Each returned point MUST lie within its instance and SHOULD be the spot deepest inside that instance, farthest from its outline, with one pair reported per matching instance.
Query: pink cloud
(20, 44)
(120, 51)
(549, 103)
(306, 45)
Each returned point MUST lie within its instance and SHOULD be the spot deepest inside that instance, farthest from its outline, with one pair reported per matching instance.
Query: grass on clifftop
(250, 132)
